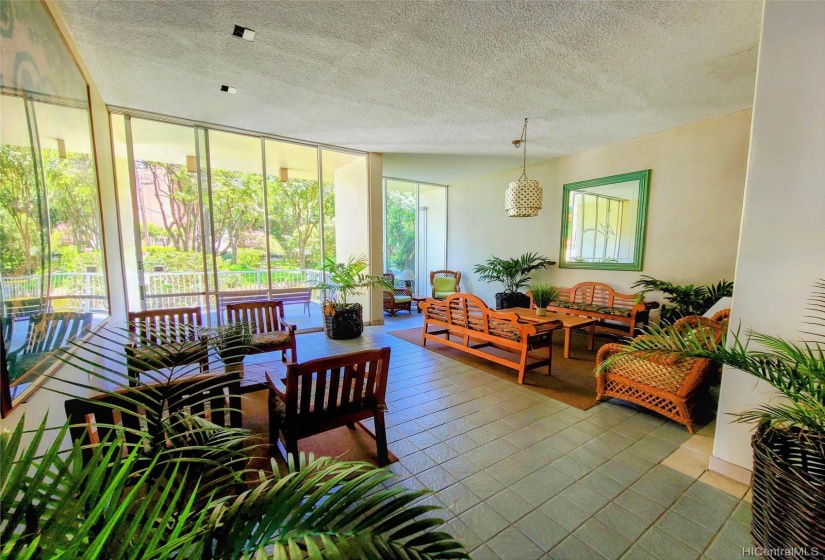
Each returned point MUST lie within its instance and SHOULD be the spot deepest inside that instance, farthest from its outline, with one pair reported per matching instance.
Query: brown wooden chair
(270, 332)
(47, 332)
(328, 393)
(669, 385)
(131, 414)
(442, 284)
(399, 299)
(165, 338)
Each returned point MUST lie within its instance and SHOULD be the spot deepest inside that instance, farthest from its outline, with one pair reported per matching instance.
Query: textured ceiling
(440, 87)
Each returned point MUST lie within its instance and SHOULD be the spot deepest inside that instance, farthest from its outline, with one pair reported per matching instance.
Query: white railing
(87, 290)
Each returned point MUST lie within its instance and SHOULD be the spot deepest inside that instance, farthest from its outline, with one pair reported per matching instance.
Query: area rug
(342, 443)
(572, 381)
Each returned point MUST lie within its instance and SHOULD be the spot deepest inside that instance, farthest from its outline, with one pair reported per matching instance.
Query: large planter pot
(788, 489)
(344, 323)
(506, 300)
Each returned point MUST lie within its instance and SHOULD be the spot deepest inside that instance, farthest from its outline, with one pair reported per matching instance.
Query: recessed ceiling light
(244, 33)
(228, 89)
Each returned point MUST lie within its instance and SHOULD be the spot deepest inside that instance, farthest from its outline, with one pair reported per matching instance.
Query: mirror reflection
(603, 225)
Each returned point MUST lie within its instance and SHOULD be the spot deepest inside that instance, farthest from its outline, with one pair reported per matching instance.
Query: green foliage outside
(400, 216)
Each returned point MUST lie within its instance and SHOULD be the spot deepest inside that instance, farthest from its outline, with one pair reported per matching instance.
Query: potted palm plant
(232, 342)
(183, 487)
(789, 440)
(684, 300)
(542, 295)
(514, 274)
(342, 318)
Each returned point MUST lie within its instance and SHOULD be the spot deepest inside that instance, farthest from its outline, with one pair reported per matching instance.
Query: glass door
(415, 232)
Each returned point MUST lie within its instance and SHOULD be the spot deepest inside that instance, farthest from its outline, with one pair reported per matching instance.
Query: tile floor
(525, 477)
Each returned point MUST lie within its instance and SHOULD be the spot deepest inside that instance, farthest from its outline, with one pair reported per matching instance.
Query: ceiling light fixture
(228, 89)
(244, 33)
(523, 197)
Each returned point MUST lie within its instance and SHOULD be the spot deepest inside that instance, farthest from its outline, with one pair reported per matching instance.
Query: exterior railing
(87, 290)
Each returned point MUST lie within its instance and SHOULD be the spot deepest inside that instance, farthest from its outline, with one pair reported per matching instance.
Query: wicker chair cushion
(270, 339)
(663, 376)
(402, 299)
(444, 285)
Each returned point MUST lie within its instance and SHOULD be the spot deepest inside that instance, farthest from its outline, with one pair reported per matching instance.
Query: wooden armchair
(398, 299)
(445, 283)
(671, 386)
(47, 332)
(133, 413)
(328, 393)
(165, 338)
(270, 332)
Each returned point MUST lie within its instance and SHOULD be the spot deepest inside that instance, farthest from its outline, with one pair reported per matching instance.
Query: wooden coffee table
(569, 323)
(417, 299)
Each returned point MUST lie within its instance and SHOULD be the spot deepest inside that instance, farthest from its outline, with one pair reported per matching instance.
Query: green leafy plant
(543, 294)
(514, 272)
(797, 371)
(684, 300)
(231, 342)
(347, 280)
(182, 488)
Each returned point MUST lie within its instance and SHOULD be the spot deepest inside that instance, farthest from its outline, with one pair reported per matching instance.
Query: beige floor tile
(700, 443)
(708, 430)
(749, 496)
(732, 487)
(687, 461)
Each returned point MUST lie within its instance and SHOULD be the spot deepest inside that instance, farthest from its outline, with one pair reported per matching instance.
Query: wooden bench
(477, 326)
(289, 296)
(600, 301)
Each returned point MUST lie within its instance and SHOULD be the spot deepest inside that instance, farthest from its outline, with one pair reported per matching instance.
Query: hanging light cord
(524, 141)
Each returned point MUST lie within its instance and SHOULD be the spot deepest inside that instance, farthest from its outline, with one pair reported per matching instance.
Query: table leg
(567, 332)
(591, 336)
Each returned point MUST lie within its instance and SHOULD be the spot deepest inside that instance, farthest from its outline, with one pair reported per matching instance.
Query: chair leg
(351, 425)
(381, 438)
(292, 449)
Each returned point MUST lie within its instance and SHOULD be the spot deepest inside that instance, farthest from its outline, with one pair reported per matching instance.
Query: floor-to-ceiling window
(415, 231)
(223, 216)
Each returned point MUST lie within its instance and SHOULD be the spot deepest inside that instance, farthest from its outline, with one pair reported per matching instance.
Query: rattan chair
(439, 293)
(399, 299)
(668, 385)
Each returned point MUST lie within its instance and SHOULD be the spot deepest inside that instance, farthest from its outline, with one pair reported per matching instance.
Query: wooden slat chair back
(50, 331)
(270, 332)
(166, 338)
(131, 414)
(594, 293)
(328, 393)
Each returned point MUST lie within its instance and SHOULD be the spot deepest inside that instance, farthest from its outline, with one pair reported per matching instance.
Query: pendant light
(523, 197)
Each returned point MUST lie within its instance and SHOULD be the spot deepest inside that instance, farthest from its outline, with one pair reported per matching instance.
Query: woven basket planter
(788, 489)
(344, 323)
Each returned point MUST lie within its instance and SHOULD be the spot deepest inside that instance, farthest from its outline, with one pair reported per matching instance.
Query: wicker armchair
(671, 386)
(441, 292)
(398, 299)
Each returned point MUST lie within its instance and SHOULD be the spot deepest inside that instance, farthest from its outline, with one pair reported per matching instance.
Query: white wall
(782, 245)
(696, 186)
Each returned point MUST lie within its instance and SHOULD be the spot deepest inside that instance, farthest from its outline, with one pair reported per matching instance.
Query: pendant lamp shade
(523, 197)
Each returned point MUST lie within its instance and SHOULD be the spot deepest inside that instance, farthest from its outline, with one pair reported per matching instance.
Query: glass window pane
(432, 233)
(169, 214)
(238, 214)
(77, 281)
(294, 208)
(346, 205)
(400, 209)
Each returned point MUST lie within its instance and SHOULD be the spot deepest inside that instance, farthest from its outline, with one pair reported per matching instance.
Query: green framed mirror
(603, 222)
